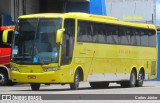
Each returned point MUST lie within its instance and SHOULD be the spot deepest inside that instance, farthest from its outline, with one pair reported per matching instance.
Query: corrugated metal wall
(5, 12)
(20, 7)
(132, 10)
(32, 6)
(5, 7)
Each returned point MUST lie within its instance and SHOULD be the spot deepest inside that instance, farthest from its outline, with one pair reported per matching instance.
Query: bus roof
(89, 17)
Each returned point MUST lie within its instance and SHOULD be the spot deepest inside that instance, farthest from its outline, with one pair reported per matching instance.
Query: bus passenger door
(67, 48)
(68, 42)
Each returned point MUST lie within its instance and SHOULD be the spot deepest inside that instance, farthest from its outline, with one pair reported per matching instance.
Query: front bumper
(46, 77)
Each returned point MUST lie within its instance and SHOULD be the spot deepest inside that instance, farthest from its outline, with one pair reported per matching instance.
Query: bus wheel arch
(140, 77)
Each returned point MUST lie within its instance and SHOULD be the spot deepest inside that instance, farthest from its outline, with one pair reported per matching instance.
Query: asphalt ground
(149, 93)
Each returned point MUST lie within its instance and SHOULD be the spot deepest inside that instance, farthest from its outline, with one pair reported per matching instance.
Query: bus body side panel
(115, 62)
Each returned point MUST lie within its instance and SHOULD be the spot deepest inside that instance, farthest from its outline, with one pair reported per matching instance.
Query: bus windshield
(35, 41)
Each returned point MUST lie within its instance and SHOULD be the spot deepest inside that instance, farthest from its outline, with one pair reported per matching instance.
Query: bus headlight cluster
(14, 69)
(51, 69)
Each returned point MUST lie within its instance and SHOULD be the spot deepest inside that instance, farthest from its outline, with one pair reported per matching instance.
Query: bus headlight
(14, 69)
(51, 69)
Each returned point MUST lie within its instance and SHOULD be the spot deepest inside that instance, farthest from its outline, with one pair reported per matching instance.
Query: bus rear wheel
(99, 84)
(140, 80)
(75, 84)
(133, 79)
(35, 86)
(131, 82)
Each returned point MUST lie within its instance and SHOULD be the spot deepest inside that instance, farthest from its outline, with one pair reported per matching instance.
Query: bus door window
(68, 41)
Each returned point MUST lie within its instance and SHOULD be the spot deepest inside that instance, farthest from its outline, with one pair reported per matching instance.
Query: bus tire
(95, 85)
(35, 86)
(132, 81)
(75, 84)
(3, 79)
(140, 80)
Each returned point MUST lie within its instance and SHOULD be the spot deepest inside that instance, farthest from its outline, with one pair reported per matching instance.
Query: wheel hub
(1, 78)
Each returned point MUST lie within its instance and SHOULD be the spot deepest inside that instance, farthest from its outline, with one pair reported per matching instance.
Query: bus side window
(128, 35)
(68, 41)
(132, 37)
(98, 33)
(84, 31)
(138, 39)
(123, 35)
(151, 38)
(115, 34)
(109, 34)
(144, 38)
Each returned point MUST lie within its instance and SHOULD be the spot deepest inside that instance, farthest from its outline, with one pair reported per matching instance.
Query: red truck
(5, 51)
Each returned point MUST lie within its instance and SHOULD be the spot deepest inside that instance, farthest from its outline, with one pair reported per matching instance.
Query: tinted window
(115, 34)
(99, 34)
(68, 41)
(124, 34)
(84, 32)
(151, 38)
(138, 37)
(132, 37)
(144, 37)
(109, 34)
(112, 34)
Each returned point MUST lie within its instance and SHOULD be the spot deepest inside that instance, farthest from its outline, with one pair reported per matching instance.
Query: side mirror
(59, 36)
(7, 36)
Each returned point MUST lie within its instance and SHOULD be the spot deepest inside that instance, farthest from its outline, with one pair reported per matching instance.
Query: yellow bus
(72, 47)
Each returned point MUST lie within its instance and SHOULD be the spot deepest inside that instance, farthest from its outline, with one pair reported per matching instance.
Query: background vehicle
(5, 52)
(73, 47)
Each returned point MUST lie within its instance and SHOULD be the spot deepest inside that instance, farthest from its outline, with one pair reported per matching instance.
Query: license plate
(31, 77)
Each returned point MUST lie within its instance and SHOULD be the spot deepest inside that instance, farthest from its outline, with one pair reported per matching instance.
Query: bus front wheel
(35, 86)
(3, 79)
(75, 84)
